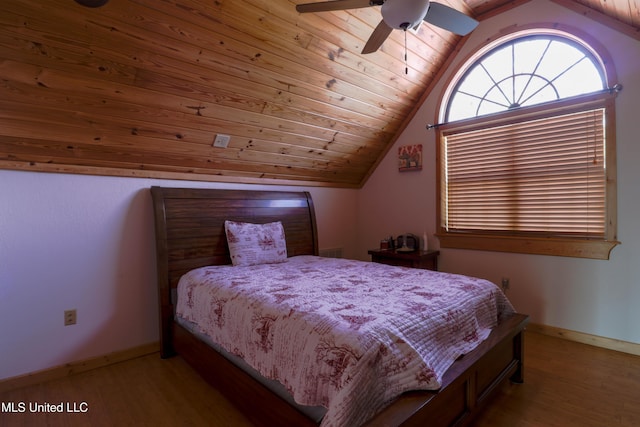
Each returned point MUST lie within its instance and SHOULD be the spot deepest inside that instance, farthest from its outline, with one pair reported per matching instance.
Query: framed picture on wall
(410, 158)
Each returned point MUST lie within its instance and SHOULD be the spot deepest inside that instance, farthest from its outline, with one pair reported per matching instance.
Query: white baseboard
(72, 368)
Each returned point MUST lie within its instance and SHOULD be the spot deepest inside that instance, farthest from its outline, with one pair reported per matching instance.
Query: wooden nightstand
(427, 260)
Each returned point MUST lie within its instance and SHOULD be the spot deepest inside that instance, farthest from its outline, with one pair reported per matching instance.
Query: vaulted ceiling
(142, 87)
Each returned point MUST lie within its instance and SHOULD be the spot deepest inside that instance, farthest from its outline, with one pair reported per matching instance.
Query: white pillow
(251, 244)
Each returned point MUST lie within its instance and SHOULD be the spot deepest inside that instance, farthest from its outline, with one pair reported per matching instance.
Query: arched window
(527, 149)
(525, 71)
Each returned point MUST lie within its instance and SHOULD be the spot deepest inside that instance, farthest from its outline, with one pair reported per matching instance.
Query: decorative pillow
(251, 244)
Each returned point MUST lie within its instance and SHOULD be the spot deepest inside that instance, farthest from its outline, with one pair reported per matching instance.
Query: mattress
(346, 335)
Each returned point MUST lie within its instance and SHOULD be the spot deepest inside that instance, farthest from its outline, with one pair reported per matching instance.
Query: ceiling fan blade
(378, 37)
(450, 19)
(325, 6)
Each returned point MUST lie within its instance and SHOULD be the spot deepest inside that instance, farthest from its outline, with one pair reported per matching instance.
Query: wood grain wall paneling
(141, 87)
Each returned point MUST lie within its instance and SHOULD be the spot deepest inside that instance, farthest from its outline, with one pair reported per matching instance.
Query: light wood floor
(566, 384)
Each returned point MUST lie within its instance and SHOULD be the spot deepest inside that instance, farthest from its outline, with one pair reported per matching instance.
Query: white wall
(87, 242)
(590, 296)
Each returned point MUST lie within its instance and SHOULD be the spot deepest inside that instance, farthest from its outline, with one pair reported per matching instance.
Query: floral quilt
(348, 335)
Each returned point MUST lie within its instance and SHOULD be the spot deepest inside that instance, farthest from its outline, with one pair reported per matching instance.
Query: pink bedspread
(347, 335)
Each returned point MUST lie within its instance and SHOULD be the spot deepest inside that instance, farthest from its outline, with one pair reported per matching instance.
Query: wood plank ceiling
(141, 87)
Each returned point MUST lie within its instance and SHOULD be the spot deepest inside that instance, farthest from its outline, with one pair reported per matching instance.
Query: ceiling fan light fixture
(404, 14)
(399, 14)
(92, 3)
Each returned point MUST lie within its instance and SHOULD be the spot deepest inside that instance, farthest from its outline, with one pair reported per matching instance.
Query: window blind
(545, 176)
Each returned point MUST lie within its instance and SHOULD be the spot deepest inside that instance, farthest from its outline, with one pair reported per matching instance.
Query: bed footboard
(467, 386)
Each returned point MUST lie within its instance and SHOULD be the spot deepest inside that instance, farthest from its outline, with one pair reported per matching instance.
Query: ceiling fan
(400, 14)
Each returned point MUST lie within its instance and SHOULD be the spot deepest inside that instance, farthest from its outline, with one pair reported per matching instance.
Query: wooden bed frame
(190, 233)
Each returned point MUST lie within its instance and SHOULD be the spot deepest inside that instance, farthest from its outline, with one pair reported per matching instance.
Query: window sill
(577, 248)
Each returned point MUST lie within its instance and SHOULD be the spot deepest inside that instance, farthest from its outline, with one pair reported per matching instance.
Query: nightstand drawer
(427, 260)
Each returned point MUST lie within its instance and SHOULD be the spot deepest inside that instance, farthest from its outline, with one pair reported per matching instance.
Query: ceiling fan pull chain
(406, 64)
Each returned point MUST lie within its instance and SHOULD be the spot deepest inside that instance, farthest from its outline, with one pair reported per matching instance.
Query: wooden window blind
(544, 177)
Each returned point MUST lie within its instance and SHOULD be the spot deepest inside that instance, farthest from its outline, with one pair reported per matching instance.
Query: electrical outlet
(505, 283)
(70, 317)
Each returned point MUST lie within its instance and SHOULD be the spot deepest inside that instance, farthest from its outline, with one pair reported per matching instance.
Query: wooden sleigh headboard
(189, 226)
